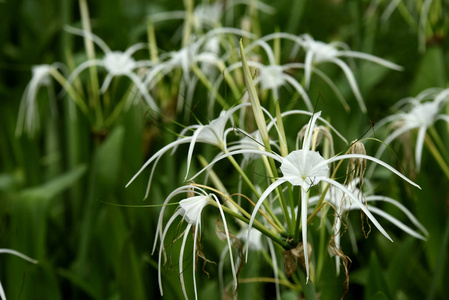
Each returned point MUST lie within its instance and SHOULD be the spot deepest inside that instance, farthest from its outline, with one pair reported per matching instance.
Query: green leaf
(108, 158)
(55, 186)
(376, 285)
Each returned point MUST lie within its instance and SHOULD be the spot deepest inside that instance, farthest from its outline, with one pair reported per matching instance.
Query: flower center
(304, 168)
(119, 63)
(271, 77)
(192, 207)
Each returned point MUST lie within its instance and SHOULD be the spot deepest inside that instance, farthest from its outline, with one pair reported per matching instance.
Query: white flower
(16, 253)
(190, 210)
(28, 118)
(199, 50)
(307, 168)
(318, 52)
(421, 115)
(116, 63)
(272, 76)
(206, 16)
(213, 133)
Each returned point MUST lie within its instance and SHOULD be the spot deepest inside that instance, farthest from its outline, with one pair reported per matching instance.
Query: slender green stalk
(274, 237)
(436, 154)
(90, 51)
(209, 86)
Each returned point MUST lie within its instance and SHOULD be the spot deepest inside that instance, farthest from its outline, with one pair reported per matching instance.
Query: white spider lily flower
(342, 203)
(271, 76)
(421, 115)
(209, 15)
(198, 50)
(28, 119)
(16, 253)
(116, 63)
(306, 168)
(190, 210)
(318, 52)
(213, 133)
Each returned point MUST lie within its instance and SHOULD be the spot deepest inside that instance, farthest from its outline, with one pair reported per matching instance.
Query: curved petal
(157, 154)
(300, 90)
(234, 273)
(100, 43)
(419, 146)
(262, 198)
(372, 58)
(304, 205)
(181, 260)
(139, 84)
(249, 151)
(167, 226)
(409, 215)
(396, 222)
(357, 201)
(352, 82)
(308, 68)
(377, 161)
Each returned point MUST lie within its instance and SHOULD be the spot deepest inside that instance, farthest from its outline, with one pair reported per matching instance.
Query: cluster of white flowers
(208, 55)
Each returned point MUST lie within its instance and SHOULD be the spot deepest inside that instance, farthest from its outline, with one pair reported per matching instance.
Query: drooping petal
(377, 161)
(262, 198)
(372, 58)
(304, 206)
(357, 201)
(234, 273)
(181, 260)
(419, 146)
(167, 226)
(352, 82)
(396, 222)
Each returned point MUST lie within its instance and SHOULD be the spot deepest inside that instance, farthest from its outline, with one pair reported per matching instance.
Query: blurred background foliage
(53, 187)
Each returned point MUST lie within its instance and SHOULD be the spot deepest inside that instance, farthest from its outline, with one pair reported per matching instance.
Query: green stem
(433, 149)
(209, 86)
(265, 231)
(90, 51)
(73, 94)
(253, 188)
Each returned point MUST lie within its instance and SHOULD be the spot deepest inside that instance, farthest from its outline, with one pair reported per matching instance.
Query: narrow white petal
(352, 82)
(399, 205)
(377, 161)
(17, 253)
(181, 260)
(308, 68)
(300, 90)
(244, 151)
(106, 83)
(90, 36)
(234, 273)
(419, 146)
(258, 205)
(139, 84)
(158, 154)
(167, 226)
(357, 201)
(372, 58)
(304, 230)
(396, 222)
